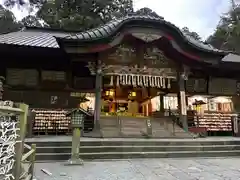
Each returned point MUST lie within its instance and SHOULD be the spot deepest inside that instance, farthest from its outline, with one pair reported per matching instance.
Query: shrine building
(135, 67)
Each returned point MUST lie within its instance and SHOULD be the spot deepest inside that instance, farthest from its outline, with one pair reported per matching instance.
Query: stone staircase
(137, 127)
(124, 148)
(173, 129)
(132, 126)
(109, 126)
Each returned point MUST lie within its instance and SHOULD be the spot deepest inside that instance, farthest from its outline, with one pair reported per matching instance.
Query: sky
(201, 16)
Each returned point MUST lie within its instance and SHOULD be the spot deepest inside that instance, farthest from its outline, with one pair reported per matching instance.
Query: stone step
(40, 157)
(93, 149)
(133, 142)
(110, 132)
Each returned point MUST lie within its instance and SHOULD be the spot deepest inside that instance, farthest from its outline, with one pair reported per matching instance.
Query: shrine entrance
(134, 59)
(130, 78)
(128, 86)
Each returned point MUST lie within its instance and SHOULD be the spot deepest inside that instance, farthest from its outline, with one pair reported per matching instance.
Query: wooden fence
(23, 168)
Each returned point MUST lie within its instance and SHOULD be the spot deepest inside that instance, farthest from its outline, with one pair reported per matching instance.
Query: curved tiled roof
(113, 26)
(42, 37)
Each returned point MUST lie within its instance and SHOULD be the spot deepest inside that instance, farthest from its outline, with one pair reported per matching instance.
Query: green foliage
(74, 14)
(227, 33)
(194, 35)
(80, 14)
(31, 21)
(8, 21)
(147, 11)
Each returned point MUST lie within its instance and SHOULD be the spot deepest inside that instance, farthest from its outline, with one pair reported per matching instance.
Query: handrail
(30, 168)
(19, 172)
(175, 120)
(27, 146)
(10, 109)
(29, 177)
(25, 156)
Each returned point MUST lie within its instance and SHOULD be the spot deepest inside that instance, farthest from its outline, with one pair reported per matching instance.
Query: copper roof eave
(109, 29)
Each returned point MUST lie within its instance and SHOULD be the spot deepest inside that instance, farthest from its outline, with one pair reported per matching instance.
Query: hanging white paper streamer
(134, 80)
(153, 81)
(126, 80)
(123, 79)
(164, 83)
(161, 81)
(150, 81)
(157, 81)
(140, 80)
(129, 80)
(145, 81)
(111, 82)
(169, 83)
(117, 83)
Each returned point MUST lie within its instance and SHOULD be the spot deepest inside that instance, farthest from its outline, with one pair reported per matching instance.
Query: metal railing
(146, 131)
(175, 120)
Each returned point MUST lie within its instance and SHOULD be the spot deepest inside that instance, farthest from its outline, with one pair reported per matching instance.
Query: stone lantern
(77, 124)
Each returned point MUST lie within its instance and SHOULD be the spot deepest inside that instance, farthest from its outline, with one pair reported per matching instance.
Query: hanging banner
(141, 81)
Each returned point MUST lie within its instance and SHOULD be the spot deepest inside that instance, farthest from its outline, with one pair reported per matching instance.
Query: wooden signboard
(22, 77)
(194, 85)
(84, 83)
(222, 86)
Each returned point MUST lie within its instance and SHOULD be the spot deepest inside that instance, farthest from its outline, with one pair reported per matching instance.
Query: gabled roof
(232, 58)
(33, 37)
(112, 27)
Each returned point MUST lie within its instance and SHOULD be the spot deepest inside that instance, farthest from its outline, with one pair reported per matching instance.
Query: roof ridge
(110, 27)
(49, 29)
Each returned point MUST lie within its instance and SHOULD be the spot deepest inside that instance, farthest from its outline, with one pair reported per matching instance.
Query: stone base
(74, 162)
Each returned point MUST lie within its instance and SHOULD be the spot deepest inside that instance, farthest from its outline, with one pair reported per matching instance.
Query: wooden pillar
(147, 110)
(182, 76)
(1, 87)
(98, 91)
(236, 103)
(161, 103)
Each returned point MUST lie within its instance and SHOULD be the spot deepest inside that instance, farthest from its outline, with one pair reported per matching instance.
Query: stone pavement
(145, 169)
